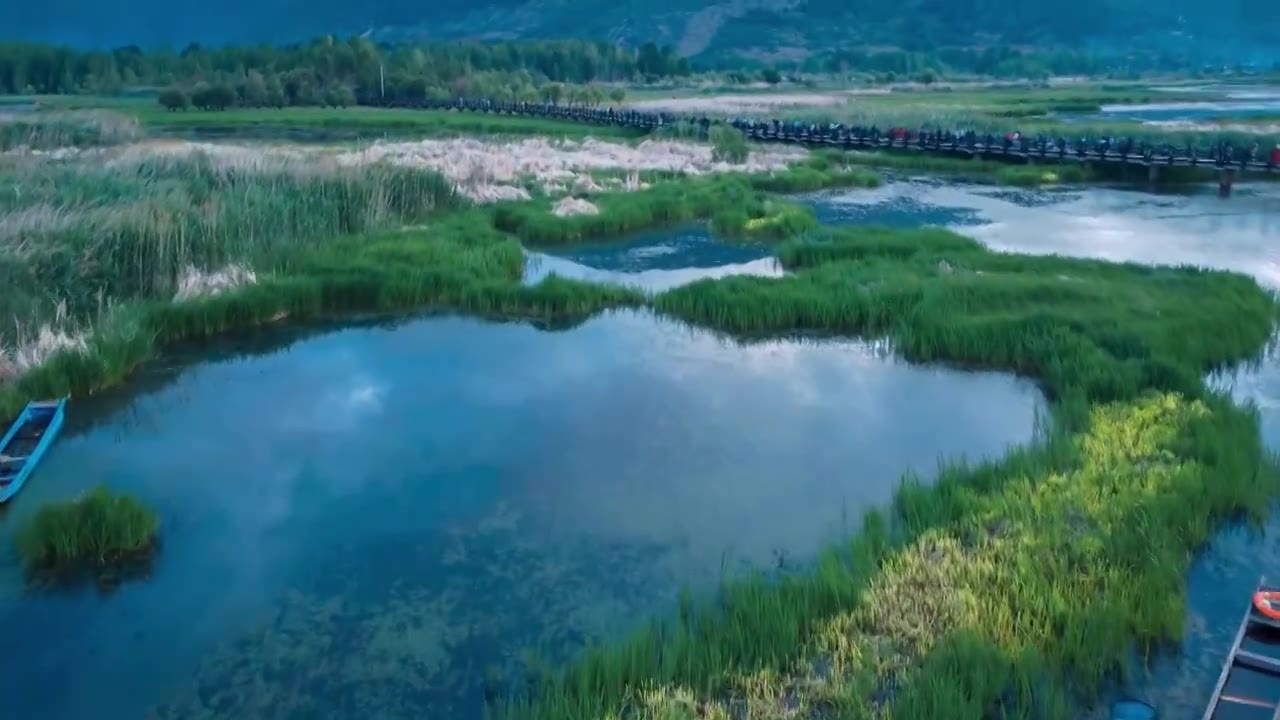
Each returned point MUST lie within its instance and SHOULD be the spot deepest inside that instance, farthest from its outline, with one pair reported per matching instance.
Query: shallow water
(361, 523)
(658, 260)
(1232, 102)
(1240, 233)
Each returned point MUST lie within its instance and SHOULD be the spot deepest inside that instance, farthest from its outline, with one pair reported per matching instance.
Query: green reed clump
(728, 144)
(764, 218)
(91, 533)
(822, 169)
(50, 130)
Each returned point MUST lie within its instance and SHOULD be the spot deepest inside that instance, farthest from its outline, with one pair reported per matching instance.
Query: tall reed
(128, 230)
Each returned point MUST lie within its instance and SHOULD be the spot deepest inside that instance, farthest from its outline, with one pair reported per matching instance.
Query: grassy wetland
(1012, 588)
(1018, 587)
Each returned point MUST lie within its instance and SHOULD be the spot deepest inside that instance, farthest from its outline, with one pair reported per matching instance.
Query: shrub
(728, 144)
(174, 98)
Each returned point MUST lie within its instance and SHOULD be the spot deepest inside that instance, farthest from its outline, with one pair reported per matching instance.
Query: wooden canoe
(24, 446)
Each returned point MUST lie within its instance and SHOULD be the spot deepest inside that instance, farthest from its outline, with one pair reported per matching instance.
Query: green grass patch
(1099, 330)
(401, 121)
(764, 218)
(49, 130)
(827, 169)
(673, 202)
(1049, 172)
(99, 533)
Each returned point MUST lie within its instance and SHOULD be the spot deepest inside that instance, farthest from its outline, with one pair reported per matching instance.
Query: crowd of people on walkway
(1202, 150)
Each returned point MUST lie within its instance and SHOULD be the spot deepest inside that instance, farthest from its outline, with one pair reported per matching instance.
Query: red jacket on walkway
(1275, 156)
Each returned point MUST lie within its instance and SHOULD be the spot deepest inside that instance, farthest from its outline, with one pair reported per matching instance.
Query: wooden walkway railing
(971, 145)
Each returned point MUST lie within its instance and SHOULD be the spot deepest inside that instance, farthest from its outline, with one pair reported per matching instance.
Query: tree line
(328, 69)
(269, 91)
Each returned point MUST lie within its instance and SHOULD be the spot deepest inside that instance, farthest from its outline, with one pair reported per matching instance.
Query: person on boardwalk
(1275, 156)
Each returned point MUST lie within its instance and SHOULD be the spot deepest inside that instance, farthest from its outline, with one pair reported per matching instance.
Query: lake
(366, 522)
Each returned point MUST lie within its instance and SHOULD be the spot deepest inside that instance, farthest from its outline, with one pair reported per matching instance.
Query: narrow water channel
(363, 522)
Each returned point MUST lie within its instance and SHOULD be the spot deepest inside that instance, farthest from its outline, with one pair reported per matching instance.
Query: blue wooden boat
(28, 439)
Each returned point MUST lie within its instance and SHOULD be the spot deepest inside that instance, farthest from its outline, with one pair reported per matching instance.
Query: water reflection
(363, 522)
(657, 260)
(1241, 102)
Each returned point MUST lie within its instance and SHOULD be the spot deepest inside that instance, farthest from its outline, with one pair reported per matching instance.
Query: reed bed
(50, 130)
(1087, 327)
(555, 166)
(134, 227)
(96, 533)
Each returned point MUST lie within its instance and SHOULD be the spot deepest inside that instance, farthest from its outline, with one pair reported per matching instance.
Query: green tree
(254, 91)
(201, 96)
(174, 98)
(340, 96)
(275, 96)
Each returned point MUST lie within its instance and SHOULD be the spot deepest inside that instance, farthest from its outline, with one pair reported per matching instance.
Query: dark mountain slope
(694, 28)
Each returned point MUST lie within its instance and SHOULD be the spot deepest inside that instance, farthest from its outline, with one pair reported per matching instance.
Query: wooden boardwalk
(837, 136)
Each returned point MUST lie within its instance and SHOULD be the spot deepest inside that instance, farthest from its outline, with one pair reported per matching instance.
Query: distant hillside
(1245, 29)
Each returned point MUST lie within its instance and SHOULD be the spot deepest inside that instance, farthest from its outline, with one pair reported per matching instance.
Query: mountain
(755, 28)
